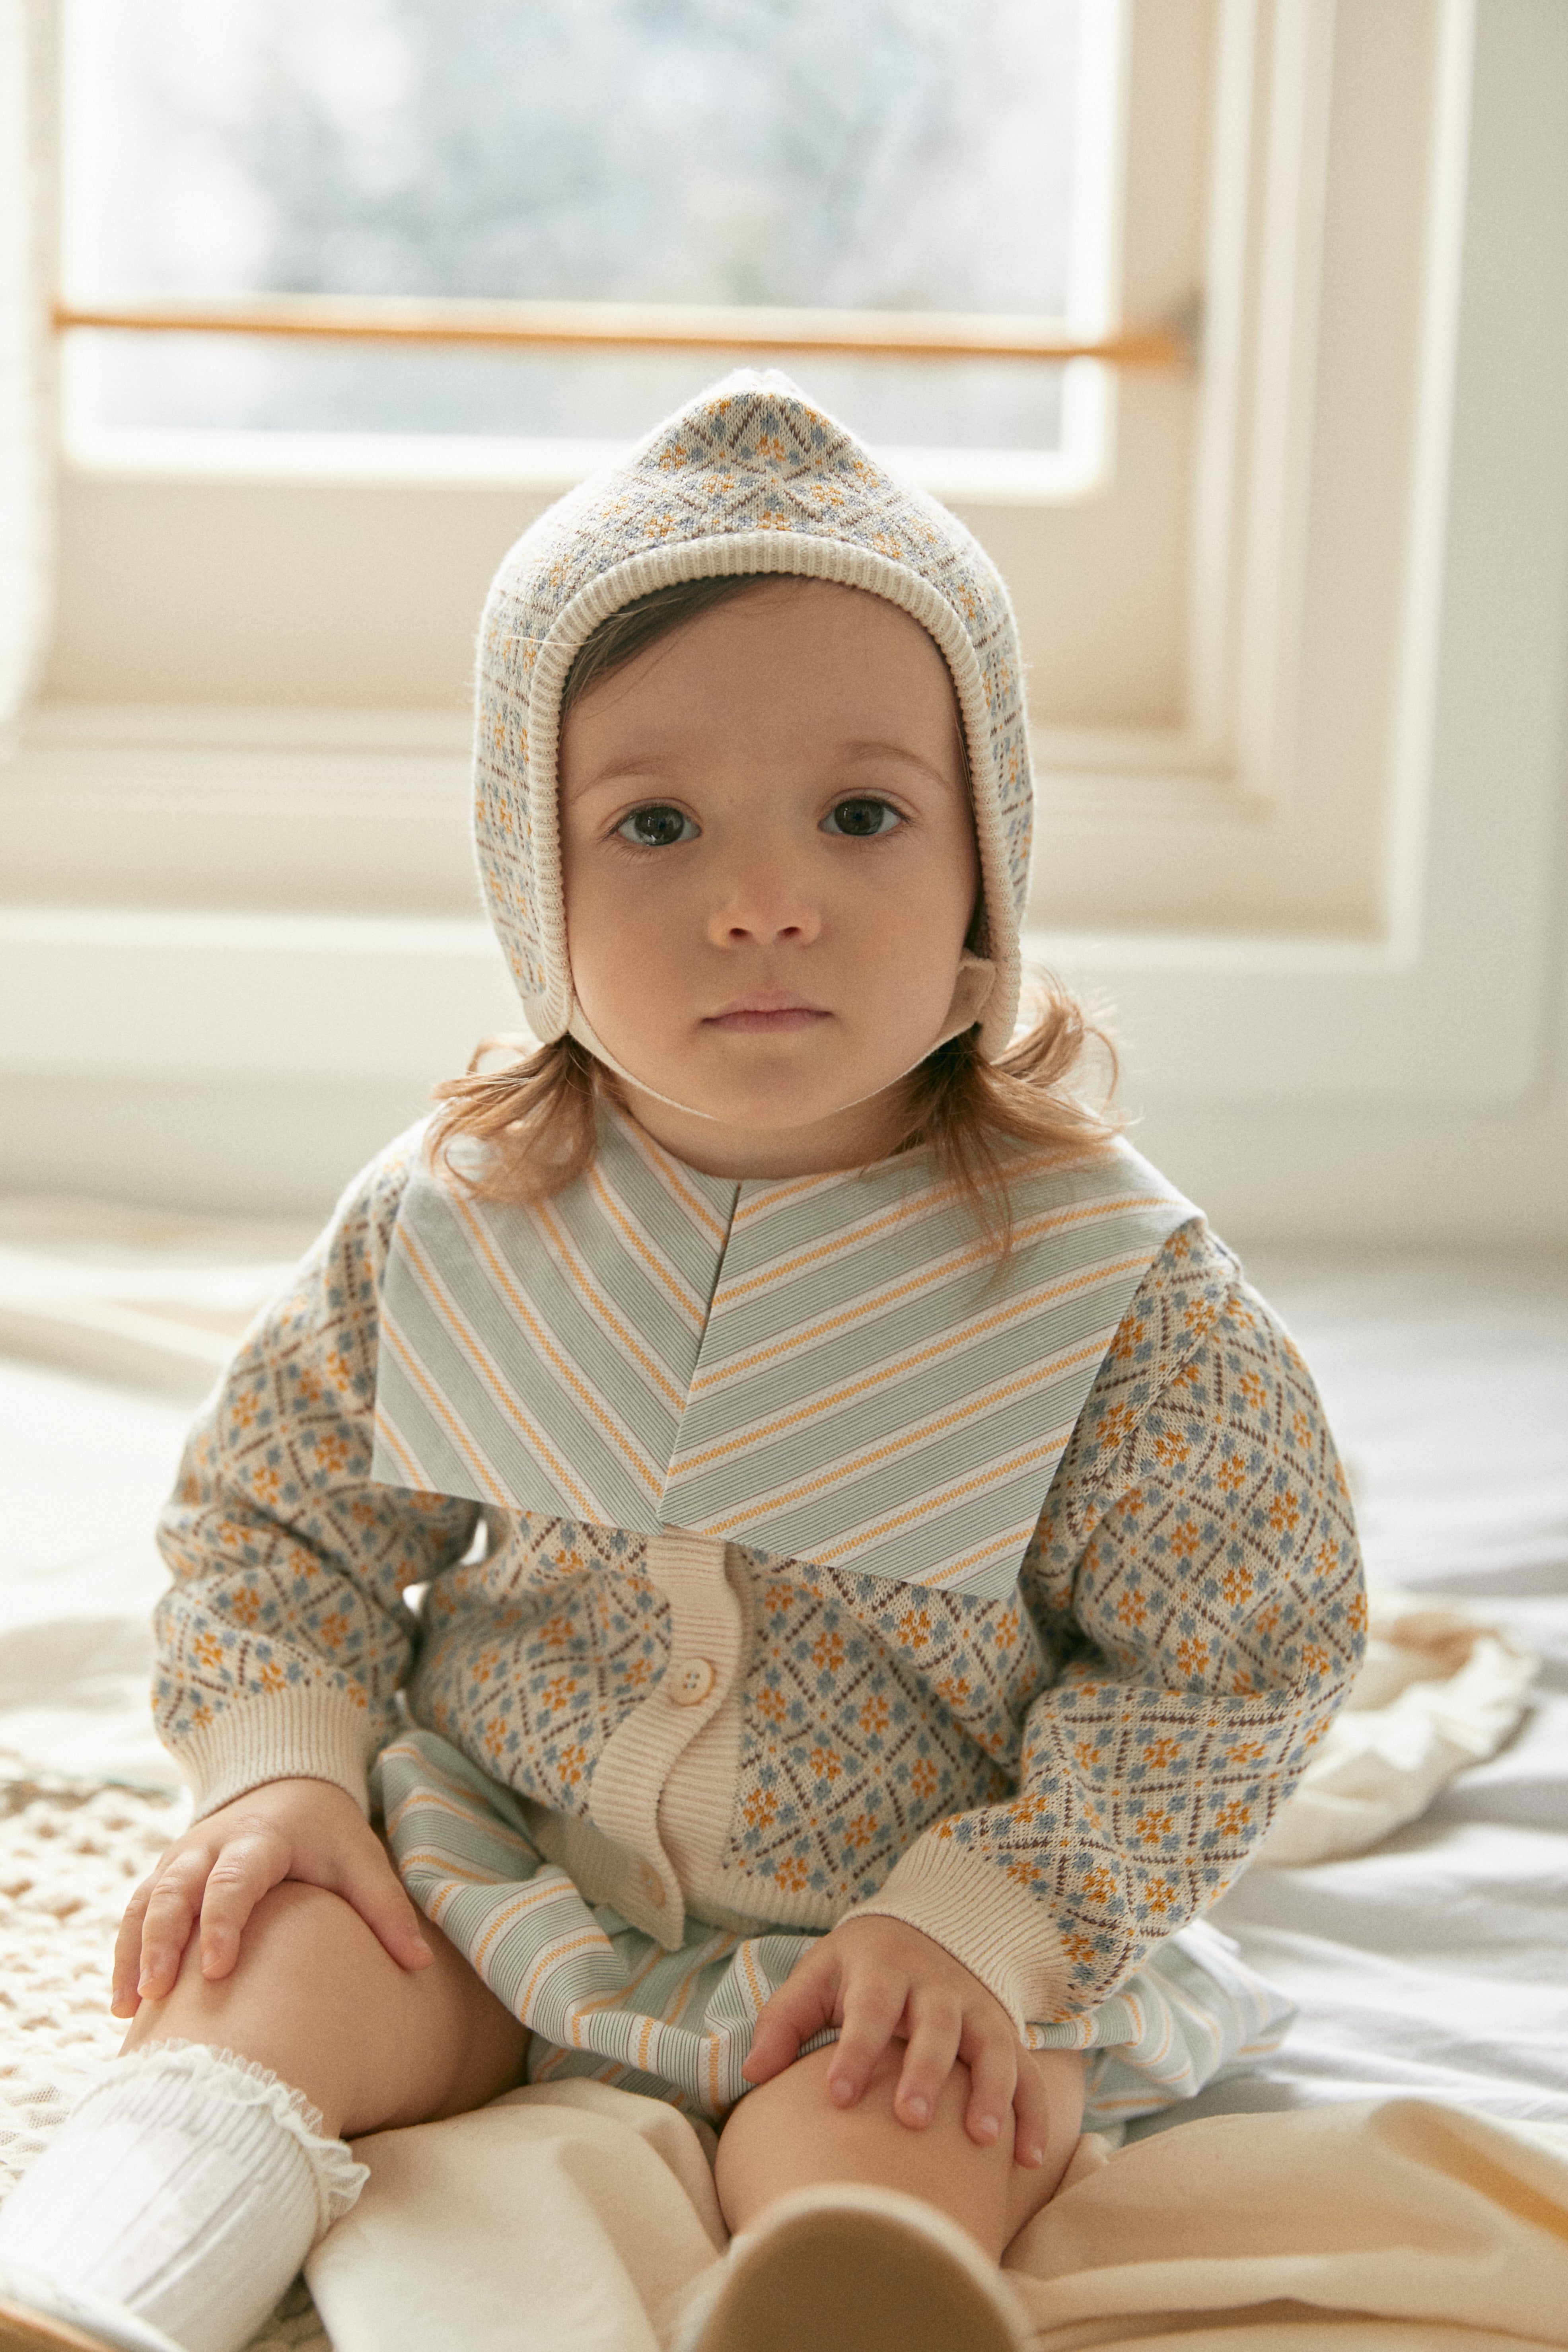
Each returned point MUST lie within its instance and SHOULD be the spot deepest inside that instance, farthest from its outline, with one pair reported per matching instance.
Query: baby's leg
(788, 2135)
(184, 2191)
(316, 1998)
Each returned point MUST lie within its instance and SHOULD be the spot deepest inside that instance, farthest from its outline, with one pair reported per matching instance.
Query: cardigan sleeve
(284, 1637)
(1196, 1574)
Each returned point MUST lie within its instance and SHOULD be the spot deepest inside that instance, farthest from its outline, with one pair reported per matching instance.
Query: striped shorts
(603, 2000)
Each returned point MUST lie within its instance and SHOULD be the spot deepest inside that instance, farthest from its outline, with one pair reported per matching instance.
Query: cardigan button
(691, 1682)
(652, 1885)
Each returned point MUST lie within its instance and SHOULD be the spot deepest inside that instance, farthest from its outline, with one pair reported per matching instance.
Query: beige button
(690, 1684)
(653, 1886)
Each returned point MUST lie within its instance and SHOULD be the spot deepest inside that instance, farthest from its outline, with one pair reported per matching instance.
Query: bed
(1432, 1968)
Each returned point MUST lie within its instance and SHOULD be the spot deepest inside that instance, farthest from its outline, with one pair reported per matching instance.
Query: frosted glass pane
(860, 154)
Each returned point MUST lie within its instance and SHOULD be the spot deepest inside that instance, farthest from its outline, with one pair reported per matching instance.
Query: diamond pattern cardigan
(1045, 1779)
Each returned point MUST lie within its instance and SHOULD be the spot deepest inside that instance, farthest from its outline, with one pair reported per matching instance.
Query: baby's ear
(971, 994)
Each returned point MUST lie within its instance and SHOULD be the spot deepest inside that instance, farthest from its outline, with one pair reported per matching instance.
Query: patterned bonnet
(750, 477)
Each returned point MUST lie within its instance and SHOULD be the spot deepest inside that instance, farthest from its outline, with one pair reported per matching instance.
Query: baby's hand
(879, 1981)
(214, 1876)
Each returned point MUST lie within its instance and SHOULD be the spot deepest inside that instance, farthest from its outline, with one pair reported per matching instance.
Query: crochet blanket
(71, 1853)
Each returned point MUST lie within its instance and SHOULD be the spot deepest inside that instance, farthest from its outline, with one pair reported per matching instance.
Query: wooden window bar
(630, 326)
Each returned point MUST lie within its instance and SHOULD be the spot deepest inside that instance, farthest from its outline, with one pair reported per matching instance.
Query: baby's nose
(768, 902)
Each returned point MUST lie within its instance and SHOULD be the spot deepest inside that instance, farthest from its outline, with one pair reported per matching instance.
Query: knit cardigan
(1045, 1780)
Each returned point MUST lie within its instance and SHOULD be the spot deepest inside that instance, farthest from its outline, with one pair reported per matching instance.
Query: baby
(883, 1568)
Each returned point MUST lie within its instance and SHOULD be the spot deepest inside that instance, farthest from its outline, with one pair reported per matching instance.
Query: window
(1090, 522)
(263, 639)
(876, 166)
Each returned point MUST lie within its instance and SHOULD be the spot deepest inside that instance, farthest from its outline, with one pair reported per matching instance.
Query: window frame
(1379, 1009)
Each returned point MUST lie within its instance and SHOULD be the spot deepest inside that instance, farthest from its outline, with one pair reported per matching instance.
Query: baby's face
(770, 869)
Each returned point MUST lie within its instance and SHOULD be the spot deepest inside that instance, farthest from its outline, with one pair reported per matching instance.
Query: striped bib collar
(828, 1368)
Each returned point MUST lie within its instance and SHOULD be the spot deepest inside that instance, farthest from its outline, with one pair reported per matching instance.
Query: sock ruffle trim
(338, 2179)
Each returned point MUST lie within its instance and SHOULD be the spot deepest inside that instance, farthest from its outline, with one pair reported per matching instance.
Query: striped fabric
(830, 1370)
(603, 2000)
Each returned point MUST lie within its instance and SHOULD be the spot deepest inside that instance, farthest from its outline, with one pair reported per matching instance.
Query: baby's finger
(873, 2007)
(170, 1914)
(928, 2062)
(247, 1869)
(993, 2077)
(122, 1999)
(373, 1886)
(1031, 2114)
(802, 2006)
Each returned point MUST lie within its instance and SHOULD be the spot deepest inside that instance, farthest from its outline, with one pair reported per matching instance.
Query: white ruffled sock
(187, 2187)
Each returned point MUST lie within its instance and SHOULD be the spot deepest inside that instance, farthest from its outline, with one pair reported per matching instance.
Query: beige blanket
(572, 2215)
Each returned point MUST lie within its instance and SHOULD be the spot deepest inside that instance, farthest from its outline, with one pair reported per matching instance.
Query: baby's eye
(862, 819)
(657, 828)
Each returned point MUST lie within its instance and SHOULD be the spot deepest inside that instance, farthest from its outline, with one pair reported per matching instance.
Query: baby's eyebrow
(871, 747)
(622, 772)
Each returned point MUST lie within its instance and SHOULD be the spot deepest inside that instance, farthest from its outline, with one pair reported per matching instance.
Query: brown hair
(536, 1118)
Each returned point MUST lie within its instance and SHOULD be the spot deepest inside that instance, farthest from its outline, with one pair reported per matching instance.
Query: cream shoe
(851, 2269)
(37, 2316)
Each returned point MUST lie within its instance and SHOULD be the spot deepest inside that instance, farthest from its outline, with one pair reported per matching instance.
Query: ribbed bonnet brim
(750, 477)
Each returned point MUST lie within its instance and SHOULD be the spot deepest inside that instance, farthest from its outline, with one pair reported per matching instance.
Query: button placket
(637, 1761)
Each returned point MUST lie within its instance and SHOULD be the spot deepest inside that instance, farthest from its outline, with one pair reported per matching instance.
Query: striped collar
(826, 1370)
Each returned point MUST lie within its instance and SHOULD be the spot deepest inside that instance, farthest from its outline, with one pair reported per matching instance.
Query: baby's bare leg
(789, 2135)
(317, 1998)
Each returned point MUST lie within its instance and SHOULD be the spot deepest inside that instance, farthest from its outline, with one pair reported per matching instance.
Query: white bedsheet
(1437, 1964)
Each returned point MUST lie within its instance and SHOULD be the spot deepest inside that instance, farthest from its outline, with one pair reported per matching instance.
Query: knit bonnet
(750, 477)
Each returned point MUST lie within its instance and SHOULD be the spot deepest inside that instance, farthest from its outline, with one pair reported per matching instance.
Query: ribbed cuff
(294, 1735)
(975, 1912)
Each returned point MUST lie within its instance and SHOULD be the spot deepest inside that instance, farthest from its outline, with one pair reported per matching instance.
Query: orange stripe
(588, 1939)
(399, 1447)
(589, 2004)
(447, 1867)
(600, 1305)
(924, 1204)
(532, 1897)
(485, 1822)
(756, 1433)
(502, 1397)
(727, 1943)
(405, 1747)
(955, 1570)
(856, 1236)
(991, 1473)
(437, 1405)
(790, 1189)
(636, 1241)
(756, 1980)
(669, 1174)
(872, 1303)
(565, 1371)
(950, 1343)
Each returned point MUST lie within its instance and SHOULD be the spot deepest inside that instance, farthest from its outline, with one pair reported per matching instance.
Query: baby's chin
(763, 1092)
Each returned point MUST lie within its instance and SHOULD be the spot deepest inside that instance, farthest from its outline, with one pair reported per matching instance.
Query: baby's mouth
(769, 1012)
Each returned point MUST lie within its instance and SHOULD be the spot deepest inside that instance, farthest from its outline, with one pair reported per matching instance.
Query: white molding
(293, 997)
(113, 729)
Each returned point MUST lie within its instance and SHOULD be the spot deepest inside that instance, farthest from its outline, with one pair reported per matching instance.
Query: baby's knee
(299, 1926)
(295, 1934)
